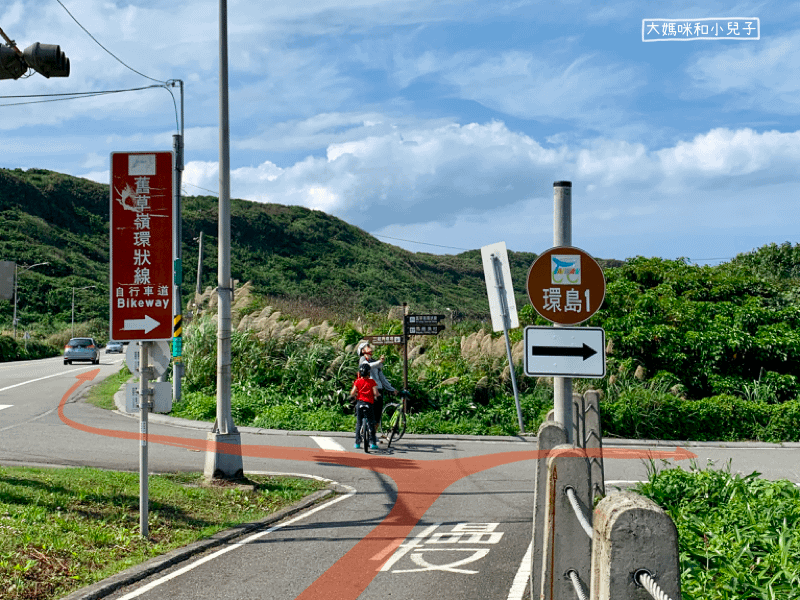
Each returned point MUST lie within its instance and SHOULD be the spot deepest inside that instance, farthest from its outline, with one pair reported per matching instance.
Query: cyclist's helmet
(364, 370)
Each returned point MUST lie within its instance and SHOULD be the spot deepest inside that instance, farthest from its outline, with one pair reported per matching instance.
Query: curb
(157, 564)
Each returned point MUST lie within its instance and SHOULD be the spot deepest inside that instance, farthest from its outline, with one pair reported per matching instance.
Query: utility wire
(104, 48)
(73, 95)
(423, 243)
(374, 234)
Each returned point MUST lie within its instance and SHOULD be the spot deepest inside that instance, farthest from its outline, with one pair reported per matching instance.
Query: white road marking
(62, 373)
(351, 491)
(327, 443)
(521, 578)
(2, 406)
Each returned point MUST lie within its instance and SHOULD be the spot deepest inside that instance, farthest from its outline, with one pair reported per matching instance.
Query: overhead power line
(71, 95)
(106, 49)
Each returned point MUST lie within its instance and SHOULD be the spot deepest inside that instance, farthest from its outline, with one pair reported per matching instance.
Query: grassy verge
(102, 394)
(62, 529)
(738, 537)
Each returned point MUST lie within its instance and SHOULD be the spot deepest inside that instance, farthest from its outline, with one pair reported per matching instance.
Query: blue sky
(441, 126)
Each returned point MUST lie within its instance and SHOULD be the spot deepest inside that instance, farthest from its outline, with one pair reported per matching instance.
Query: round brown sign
(566, 285)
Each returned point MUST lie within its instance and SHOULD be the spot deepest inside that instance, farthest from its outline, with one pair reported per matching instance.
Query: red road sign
(566, 285)
(141, 246)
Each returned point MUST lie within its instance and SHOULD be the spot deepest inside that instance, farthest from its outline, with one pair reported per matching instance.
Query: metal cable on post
(645, 579)
(577, 584)
(573, 500)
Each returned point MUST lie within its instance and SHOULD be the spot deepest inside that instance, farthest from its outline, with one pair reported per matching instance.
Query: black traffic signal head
(11, 64)
(47, 59)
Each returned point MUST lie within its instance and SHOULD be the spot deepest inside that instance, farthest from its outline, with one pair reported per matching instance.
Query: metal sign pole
(144, 408)
(498, 274)
(405, 347)
(562, 236)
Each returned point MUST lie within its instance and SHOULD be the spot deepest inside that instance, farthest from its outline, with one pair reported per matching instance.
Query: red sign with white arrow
(141, 246)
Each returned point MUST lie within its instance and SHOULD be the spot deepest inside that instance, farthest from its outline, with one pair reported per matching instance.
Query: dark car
(81, 349)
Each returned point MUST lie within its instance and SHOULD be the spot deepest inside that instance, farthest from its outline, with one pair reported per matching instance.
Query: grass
(102, 394)
(63, 529)
(738, 537)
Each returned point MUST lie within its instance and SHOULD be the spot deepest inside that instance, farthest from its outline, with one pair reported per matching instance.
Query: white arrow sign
(147, 324)
(565, 352)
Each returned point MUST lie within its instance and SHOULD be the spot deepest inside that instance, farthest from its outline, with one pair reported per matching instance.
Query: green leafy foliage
(738, 537)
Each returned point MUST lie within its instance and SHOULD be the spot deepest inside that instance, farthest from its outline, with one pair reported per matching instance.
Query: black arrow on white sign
(585, 351)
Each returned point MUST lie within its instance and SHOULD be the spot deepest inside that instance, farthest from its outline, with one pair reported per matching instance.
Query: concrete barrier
(633, 534)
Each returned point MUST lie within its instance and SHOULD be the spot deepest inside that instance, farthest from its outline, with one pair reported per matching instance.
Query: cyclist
(365, 391)
(365, 357)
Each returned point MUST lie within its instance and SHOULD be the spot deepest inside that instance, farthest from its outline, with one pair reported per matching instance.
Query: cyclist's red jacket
(365, 389)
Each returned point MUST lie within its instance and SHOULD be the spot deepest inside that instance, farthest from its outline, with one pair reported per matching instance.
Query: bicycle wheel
(386, 418)
(365, 437)
(394, 420)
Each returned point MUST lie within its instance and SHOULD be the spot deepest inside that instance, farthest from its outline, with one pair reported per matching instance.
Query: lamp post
(16, 269)
(73, 304)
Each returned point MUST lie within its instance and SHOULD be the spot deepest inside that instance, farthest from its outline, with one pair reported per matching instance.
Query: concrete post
(594, 442)
(567, 547)
(549, 436)
(632, 533)
(562, 236)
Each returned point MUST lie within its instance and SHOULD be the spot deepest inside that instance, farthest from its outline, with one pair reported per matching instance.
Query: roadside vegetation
(738, 537)
(63, 529)
(694, 353)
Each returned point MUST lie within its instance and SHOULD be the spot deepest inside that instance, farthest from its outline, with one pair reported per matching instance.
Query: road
(436, 516)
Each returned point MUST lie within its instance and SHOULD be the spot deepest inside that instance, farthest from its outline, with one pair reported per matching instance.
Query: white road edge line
(328, 443)
(154, 584)
(40, 379)
(520, 582)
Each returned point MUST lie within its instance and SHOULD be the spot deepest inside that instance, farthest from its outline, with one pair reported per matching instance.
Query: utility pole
(562, 236)
(227, 464)
(198, 289)
(177, 302)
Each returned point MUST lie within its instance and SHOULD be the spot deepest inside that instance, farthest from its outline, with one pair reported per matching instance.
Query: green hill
(286, 251)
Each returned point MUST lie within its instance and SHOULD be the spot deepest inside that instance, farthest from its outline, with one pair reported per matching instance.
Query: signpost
(384, 340)
(566, 285)
(141, 246)
(565, 352)
(502, 304)
(141, 274)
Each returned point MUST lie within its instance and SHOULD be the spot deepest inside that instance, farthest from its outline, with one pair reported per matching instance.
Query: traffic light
(11, 64)
(47, 59)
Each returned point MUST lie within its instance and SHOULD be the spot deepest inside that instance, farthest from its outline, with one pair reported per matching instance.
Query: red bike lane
(419, 484)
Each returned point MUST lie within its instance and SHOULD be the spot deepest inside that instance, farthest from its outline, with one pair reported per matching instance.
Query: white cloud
(763, 74)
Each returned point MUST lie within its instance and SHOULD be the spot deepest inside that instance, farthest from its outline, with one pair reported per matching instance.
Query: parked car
(81, 349)
(114, 347)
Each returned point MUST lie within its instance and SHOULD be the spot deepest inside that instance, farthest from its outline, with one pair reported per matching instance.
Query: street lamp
(73, 304)
(16, 268)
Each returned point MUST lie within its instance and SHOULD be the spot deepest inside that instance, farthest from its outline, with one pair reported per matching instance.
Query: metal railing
(626, 548)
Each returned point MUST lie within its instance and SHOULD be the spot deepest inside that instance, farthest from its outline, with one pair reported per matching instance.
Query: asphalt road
(435, 516)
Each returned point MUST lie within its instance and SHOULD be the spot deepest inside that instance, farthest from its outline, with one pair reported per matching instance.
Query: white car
(114, 347)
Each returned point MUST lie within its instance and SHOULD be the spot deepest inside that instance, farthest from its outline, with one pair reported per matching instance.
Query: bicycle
(365, 411)
(393, 419)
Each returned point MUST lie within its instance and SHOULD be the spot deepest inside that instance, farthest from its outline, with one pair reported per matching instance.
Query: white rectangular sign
(565, 352)
(490, 254)
(162, 396)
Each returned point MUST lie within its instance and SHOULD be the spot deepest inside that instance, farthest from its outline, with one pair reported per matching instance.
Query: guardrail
(626, 548)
